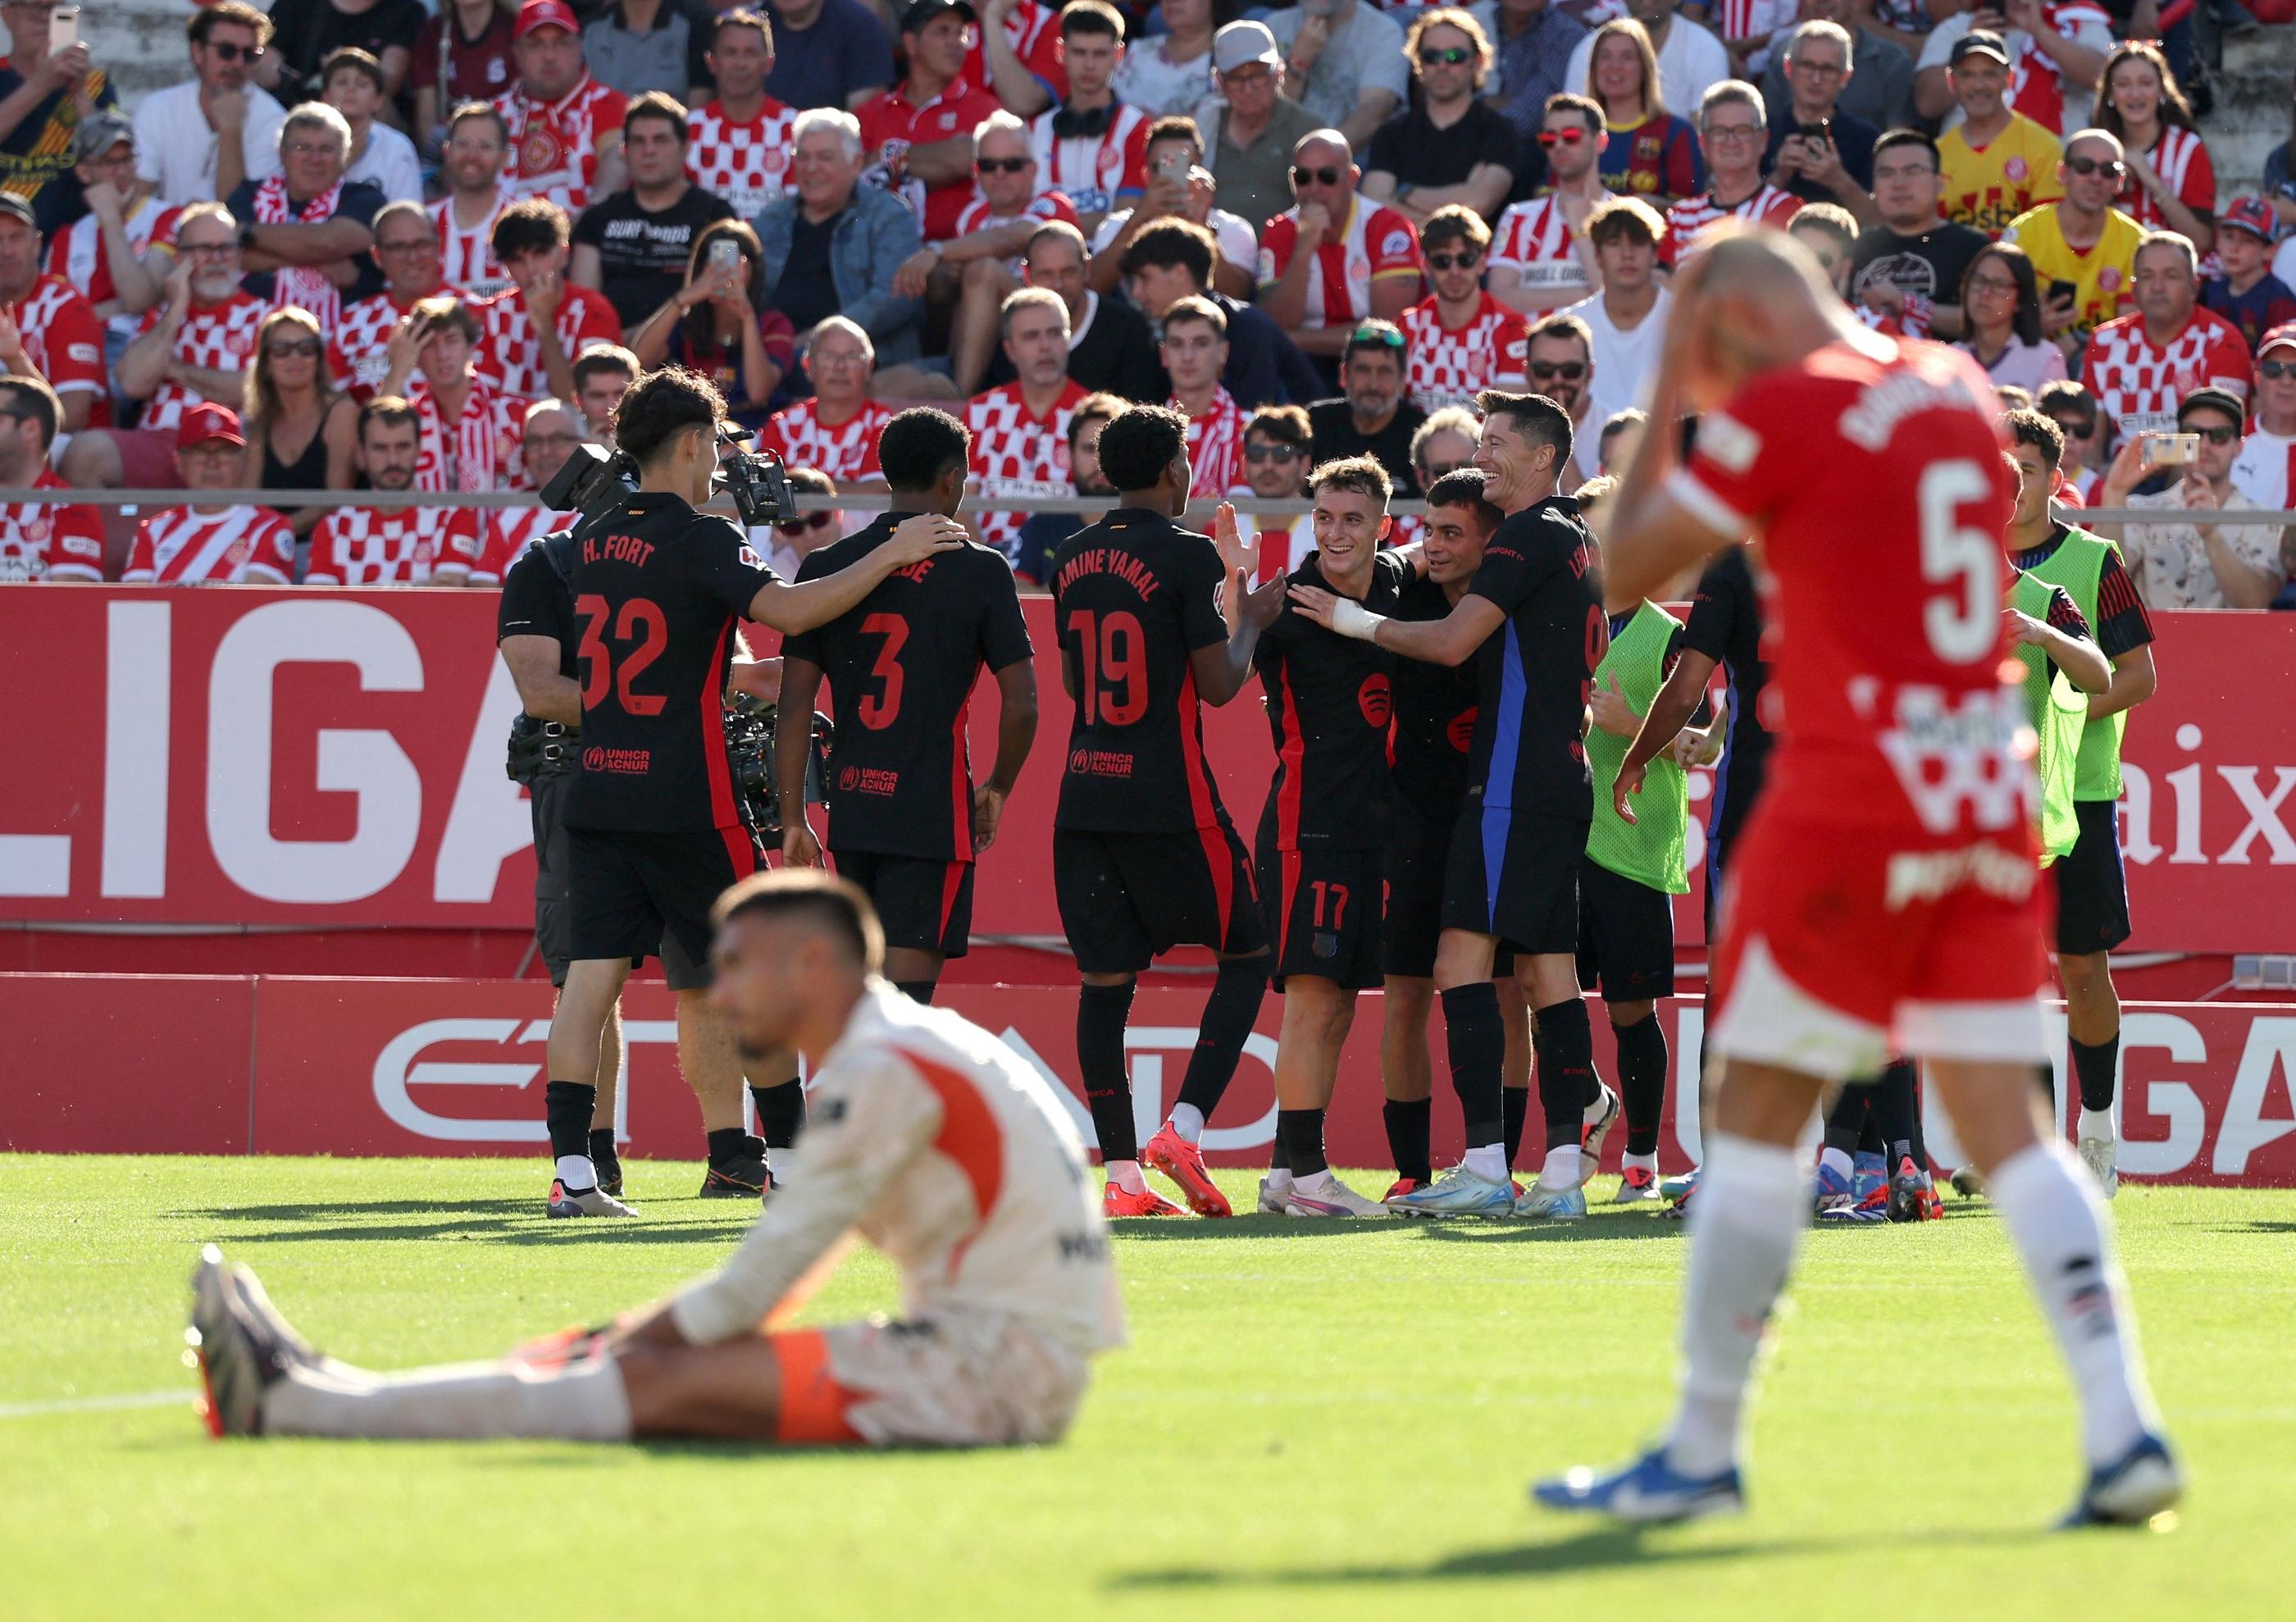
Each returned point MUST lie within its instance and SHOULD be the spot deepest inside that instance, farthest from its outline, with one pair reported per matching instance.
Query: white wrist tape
(1351, 618)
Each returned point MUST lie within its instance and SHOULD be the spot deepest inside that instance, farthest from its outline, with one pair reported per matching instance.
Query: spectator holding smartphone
(47, 88)
(2172, 182)
(2188, 562)
(2056, 52)
(720, 325)
(1817, 152)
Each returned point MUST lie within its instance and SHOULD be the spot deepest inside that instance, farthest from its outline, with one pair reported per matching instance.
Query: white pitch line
(95, 1405)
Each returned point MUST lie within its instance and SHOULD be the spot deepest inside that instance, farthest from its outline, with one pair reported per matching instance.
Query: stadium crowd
(380, 247)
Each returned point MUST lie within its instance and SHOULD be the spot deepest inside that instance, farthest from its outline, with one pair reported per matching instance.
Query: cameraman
(539, 634)
(654, 831)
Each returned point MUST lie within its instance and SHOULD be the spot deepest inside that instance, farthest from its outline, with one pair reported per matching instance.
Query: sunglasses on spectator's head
(2221, 434)
(1373, 333)
(232, 50)
(811, 521)
(1466, 258)
(2275, 369)
(1569, 370)
(2110, 167)
(1272, 452)
(1002, 166)
(1561, 137)
(1302, 175)
(1449, 56)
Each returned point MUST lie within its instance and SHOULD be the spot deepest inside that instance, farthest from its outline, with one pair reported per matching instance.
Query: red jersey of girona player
(1885, 898)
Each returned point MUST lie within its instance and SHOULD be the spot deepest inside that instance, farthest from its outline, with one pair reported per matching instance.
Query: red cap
(2282, 337)
(208, 420)
(2253, 215)
(544, 14)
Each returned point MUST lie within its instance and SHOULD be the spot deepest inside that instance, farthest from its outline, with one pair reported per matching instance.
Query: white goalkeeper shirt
(949, 1154)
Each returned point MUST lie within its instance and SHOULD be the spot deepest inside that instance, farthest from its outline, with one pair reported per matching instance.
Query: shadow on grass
(1485, 1229)
(355, 1208)
(1597, 1549)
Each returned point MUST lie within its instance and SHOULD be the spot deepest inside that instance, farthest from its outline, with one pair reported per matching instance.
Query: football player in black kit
(1535, 626)
(1155, 620)
(538, 636)
(905, 819)
(654, 830)
(1329, 701)
(1434, 730)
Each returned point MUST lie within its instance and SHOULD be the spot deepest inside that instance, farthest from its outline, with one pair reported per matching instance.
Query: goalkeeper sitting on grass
(926, 1134)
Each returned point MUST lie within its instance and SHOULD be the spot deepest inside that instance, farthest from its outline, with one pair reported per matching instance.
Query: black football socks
(1101, 1013)
(1563, 1041)
(567, 1106)
(781, 1113)
(1477, 1041)
(1302, 1134)
(916, 991)
(1229, 1011)
(2095, 1064)
(1409, 1127)
(1642, 1081)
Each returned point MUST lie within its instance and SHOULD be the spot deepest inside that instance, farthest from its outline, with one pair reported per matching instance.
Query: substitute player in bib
(931, 1139)
(1634, 869)
(1431, 754)
(2092, 887)
(1144, 855)
(1330, 700)
(1531, 620)
(654, 830)
(1887, 892)
(905, 819)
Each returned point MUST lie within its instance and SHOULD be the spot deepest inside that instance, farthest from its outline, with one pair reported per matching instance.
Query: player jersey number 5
(1962, 616)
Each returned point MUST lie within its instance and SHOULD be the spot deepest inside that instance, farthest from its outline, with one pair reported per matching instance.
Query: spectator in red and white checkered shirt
(1020, 431)
(195, 347)
(406, 247)
(205, 543)
(392, 543)
(2141, 366)
(552, 430)
(836, 431)
(40, 543)
(565, 126)
(738, 146)
(1461, 340)
(47, 329)
(118, 253)
(478, 145)
(524, 356)
(470, 429)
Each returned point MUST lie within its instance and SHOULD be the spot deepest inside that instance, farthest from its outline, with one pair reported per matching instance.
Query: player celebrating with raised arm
(1144, 855)
(1329, 702)
(1532, 622)
(654, 831)
(932, 1139)
(905, 819)
(1888, 893)
(1435, 711)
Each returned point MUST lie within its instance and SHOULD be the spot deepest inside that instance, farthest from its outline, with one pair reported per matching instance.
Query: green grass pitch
(1322, 1418)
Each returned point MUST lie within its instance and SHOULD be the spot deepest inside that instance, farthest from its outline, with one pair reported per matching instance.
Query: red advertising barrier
(333, 758)
(293, 1066)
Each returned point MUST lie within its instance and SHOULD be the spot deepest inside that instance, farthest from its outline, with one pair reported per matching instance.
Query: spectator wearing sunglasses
(1540, 258)
(1372, 416)
(2073, 409)
(198, 141)
(2247, 294)
(1444, 444)
(1277, 452)
(1561, 365)
(2192, 562)
(1453, 148)
(1335, 257)
(2083, 249)
(807, 532)
(1460, 339)
(2141, 366)
(2265, 468)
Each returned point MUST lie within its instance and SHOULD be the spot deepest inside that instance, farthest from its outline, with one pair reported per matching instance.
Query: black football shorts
(553, 916)
(1127, 898)
(1626, 937)
(632, 894)
(1514, 875)
(924, 904)
(1324, 913)
(2092, 886)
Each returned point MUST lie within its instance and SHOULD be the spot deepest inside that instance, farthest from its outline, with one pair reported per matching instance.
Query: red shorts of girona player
(1841, 946)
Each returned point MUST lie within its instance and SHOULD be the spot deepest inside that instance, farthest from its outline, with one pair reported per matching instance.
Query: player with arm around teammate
(931, 1139)
(1154, 621)
(905, 819)
(1531, 620)
(655, 831)
(1888, 893)
(1330, 700)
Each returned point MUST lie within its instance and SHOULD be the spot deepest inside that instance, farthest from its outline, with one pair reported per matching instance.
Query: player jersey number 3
(640, 623)
(1113, 688)
(1963, 625)
(878, 709)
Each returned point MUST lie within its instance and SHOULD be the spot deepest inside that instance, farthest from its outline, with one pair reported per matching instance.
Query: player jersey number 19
(641, 620)
(1113, 689)
(1963, 625)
